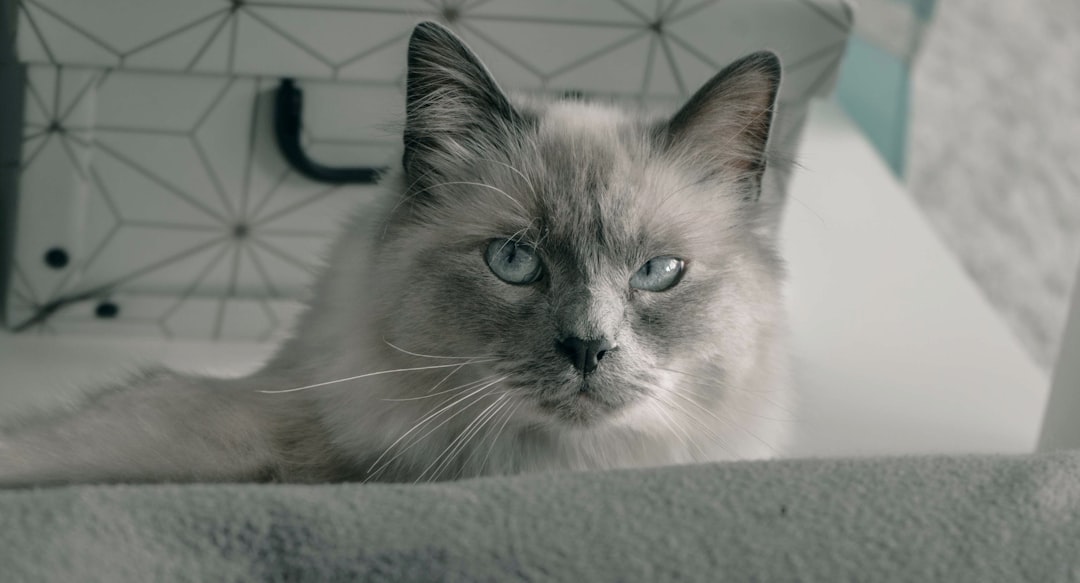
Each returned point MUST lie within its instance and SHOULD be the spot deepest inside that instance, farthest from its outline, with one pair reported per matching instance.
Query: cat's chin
(581, 407)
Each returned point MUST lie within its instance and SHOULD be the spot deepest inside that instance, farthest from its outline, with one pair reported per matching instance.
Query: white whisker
(692, 441)
(656, 408)
(461, 182)
(705, 427)
(411, 353)
(427, 419)
(532, 189)
(442, 392)
(411, 185)
(715, 416)
(439, 409)
(482, 185)
(734, 407)
(370, 374)
(509, 414)
(458, 443)
(708, 383)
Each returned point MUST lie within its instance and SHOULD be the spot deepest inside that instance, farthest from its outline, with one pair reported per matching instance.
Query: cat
(542, 286)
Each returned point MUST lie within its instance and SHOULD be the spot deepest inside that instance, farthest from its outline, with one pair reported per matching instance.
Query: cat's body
(541, 286)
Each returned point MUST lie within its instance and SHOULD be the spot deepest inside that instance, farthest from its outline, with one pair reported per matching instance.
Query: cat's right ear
(453, 106)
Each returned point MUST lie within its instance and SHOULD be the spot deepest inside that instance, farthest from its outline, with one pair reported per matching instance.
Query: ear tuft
(452, 103)
(725, 126)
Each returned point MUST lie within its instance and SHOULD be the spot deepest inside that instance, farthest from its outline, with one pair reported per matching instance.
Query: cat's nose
(585, 354)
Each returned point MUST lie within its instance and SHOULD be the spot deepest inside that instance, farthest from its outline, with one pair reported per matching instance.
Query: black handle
(288, 113)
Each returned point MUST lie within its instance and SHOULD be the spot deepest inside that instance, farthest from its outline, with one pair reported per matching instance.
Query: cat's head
(594, 258)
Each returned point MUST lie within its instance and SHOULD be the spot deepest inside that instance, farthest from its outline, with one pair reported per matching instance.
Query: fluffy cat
(544, 286)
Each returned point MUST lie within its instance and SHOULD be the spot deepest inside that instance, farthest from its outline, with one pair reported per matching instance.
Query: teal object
(874, 88)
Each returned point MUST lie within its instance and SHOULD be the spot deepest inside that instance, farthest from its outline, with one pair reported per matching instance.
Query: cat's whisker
(438, 410)
(520, 206)
(514, 237)
(756, 119)
(656, 408)
(543, 237)
(713, 382)
(735, 407)
(718, 418)
(411, 353)
(405, 198)
(661, 202)
(420, 438)
(410, 194)
(702, 425)
(366, 375)
(715, 385)
(809, 208)
(458, 443)
(510, 413)
(509, 405)
(441, 381)
(532, 189)
(442, 392)
(495, 407)
(472, 454)
(706, 383)
(373, 470)
(657, 396)
(447, 377)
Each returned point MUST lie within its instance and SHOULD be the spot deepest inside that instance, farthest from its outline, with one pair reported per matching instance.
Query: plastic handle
(288, 115)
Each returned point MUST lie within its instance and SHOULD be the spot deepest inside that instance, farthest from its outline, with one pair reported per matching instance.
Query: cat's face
(596, 258)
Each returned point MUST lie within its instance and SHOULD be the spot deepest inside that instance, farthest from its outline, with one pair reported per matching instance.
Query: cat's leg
(161, 426)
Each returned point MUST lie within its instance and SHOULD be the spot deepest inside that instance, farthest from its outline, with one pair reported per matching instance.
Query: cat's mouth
(582, 404)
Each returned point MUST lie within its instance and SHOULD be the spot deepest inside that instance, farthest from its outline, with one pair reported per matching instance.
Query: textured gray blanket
(909, 519)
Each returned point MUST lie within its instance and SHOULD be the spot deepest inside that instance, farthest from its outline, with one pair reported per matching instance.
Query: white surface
(39, 370)
(896, 351)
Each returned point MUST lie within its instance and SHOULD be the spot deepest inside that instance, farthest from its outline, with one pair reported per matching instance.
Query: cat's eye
(512, 262)
(658, 274)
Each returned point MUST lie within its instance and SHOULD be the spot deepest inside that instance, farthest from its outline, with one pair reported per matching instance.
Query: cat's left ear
(725, 126)
(453, 106)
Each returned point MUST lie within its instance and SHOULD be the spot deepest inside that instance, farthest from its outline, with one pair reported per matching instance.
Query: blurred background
(994, 154)
(989, 146)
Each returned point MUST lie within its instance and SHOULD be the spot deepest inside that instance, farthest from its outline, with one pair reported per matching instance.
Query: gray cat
(544, 286)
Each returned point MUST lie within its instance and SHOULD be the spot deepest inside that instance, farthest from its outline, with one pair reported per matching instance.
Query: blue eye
(658, 274)
(512, 262)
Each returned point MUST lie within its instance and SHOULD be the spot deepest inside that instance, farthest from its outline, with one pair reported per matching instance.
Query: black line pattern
(246, 206)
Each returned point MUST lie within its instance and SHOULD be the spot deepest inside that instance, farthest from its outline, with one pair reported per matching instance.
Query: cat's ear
(453, 106)
(725, 126)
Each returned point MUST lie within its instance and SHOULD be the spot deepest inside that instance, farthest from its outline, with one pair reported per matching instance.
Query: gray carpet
(947, 518)
(995, 153)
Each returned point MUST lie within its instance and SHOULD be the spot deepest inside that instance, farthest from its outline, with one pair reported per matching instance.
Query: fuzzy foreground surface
(972, 518)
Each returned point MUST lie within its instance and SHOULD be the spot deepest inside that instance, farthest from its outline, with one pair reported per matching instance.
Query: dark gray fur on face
(415, 361)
